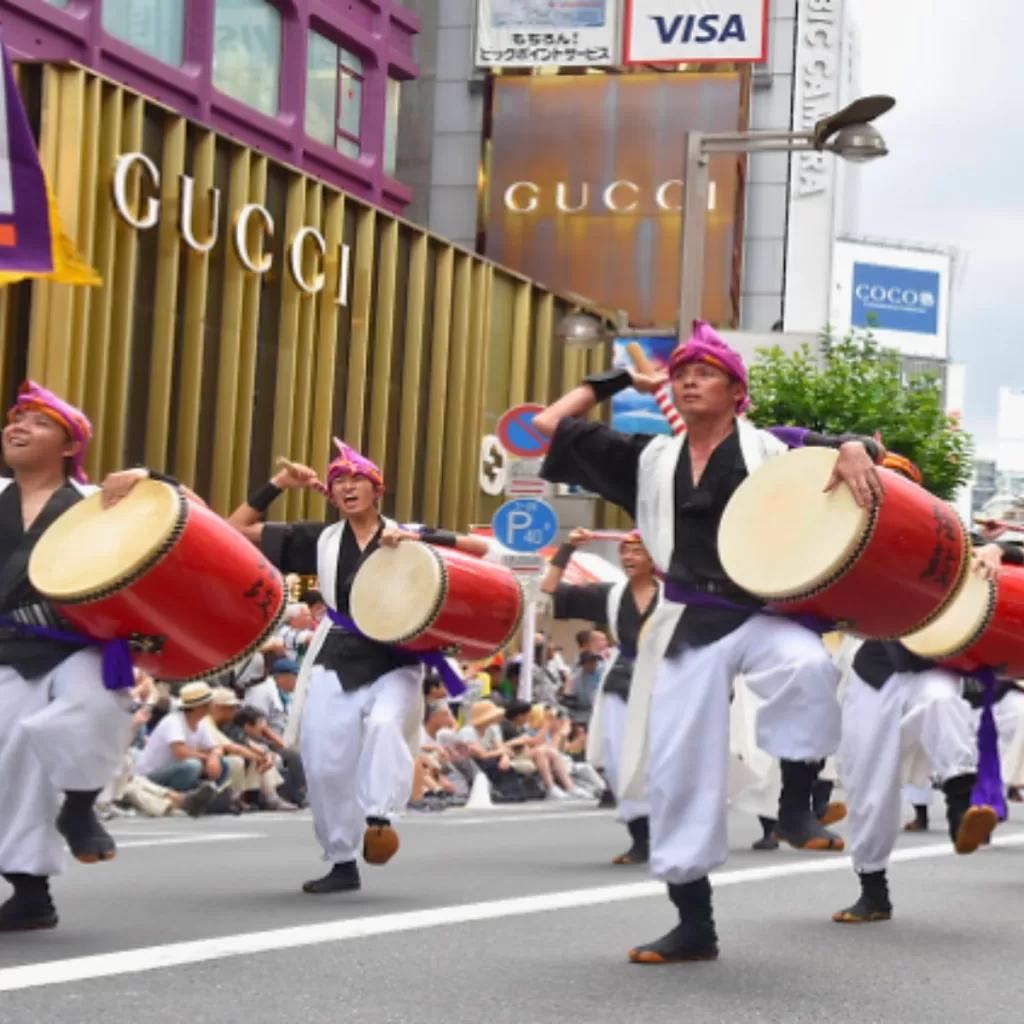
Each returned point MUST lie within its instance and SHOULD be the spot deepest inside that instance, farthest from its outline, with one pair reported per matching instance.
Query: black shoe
(920, 821)
(805, 832)
(640, 851)
(87, 839)
(30, 908)
(767, 840)
(694, 938)
(607, 800)
(969, 827)
(197, 802)
(341, 878)
(873, 905)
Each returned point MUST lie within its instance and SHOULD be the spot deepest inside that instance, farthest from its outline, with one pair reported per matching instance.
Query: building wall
(379, 32)
(440, 144)
(249, 311)
(764, 254)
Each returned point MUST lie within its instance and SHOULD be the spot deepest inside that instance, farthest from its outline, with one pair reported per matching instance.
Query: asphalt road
(508, 917)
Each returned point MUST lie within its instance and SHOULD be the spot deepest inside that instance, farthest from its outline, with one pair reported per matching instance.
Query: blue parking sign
(525, 525)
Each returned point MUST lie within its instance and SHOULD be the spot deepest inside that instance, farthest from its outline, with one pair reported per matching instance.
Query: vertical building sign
(812, 186)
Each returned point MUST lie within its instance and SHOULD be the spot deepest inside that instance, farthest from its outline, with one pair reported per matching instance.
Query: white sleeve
(171, 730)
(207, 738)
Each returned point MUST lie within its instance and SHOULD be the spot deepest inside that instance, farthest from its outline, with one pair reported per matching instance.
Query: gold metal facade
(228, 332)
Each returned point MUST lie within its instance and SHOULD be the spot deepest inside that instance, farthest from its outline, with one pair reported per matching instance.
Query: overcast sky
(954, 175)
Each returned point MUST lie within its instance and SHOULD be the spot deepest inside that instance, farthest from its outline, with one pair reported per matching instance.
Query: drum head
(395, 594)
(959, 626)
(89, 550)
(781, 536)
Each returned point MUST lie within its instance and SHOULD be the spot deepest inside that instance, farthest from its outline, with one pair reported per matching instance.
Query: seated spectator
(297, 631)
(587, 781)
(440, 738)
(250, 726)
(252, 771)
(183, 748)
(266, 697)
(316, 604)
(483, 738)
(534, 741)
(434, 689)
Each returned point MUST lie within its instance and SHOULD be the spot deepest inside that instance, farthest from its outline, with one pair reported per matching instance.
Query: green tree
(859, 387)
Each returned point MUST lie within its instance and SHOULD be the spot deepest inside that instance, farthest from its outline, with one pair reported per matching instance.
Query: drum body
(423, 598)
(191, 595)
(879, 573)
(983, 627)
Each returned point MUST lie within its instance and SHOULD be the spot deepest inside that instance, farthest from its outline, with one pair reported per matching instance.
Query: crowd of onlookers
(219, 746)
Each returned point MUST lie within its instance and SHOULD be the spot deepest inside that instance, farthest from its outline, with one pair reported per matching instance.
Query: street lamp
(583, 329)
(848, 133)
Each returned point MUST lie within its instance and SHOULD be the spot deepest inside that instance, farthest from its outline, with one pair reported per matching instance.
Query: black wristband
(1012, 553)
(439, 538)
(163, 478)
(262, 499)
(563, 556)
(609, 383)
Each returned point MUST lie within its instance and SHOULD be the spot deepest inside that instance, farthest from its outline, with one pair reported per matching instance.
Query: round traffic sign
(518, 435)
(525, 525)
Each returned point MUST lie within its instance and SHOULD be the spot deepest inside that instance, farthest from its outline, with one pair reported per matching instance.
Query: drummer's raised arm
(247, 518)
(596, 388)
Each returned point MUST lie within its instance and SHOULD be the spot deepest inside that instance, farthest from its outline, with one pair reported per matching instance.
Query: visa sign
(895, 299)
(677, 32)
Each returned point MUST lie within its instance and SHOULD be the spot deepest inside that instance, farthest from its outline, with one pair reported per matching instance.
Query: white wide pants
(916, 725)
(355, 754)
(613, 735)
(785, 665)
(63, 732)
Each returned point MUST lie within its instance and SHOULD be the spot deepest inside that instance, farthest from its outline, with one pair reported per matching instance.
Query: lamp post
(848, 133)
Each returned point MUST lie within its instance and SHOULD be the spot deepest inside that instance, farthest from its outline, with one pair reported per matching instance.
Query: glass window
(334, 95)
(156, 27)
(59, 3)
(247, 52)
(391, 112)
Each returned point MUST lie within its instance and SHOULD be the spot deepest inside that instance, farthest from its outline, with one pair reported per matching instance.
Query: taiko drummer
(63, 732)
(358, 727)
(904, 720)
(677, 489)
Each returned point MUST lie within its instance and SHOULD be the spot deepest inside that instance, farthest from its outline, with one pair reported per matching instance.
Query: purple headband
(705, 346)
(350, 463)
(34, 398)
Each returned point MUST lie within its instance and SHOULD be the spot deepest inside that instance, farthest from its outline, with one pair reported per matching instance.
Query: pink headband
(350, 463)
(633, 537)
(705, 346)
(33, 398)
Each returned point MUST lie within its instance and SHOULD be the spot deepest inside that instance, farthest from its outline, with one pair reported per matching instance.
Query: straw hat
(484, 713)
(194, 695)
(225, 698)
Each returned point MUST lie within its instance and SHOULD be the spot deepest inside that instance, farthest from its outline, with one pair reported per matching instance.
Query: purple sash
(432, 659)
(117, 655)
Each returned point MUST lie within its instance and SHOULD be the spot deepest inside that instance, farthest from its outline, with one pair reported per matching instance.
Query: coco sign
(256, 262)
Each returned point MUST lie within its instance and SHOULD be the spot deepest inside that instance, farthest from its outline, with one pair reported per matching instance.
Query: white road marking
(176, 954)
(203, 837)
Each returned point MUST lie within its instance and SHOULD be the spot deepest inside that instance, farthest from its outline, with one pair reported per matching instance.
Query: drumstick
(998, 524)
(284, 463)
(663, 396)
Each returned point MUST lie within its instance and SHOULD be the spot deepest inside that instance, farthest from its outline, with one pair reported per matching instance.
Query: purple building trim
(379, 31)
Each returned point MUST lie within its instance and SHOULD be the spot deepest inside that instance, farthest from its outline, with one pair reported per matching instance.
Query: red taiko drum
(190, 594)
(983, 627)
(423, 598)
(881, 572)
